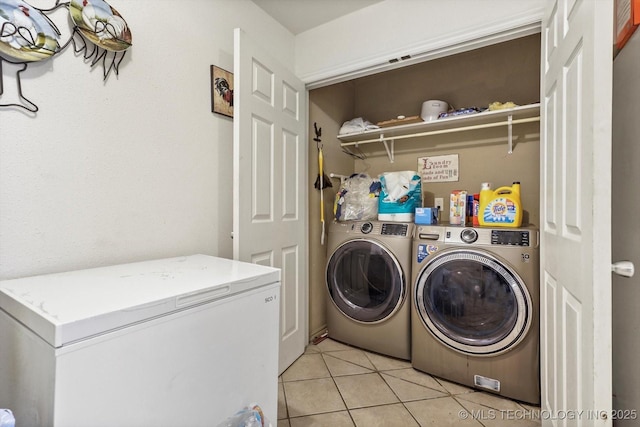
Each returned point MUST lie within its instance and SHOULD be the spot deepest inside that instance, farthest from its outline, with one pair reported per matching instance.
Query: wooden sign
(439, 168)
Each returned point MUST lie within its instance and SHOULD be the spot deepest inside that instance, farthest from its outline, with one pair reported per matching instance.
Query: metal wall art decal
(27, 35)
(103, 26)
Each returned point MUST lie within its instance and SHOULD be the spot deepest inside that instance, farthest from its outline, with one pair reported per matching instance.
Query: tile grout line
(399, 399)
(286, 404)
(338, 388)
(379, 373)
(460, 402)
(463, 403)
(321, 353)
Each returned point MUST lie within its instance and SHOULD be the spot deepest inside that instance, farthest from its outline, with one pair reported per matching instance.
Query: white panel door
(577, 37)
(270, 182)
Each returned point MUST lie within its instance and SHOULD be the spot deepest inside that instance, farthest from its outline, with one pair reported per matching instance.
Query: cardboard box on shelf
(458, 207)
(426, 216)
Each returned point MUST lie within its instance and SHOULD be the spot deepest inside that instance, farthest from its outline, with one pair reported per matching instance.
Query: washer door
(365, 281)
(473, 302)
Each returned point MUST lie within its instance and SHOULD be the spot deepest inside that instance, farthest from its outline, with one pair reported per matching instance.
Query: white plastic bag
(251, 416)
(356, 125)
(357, 198)
(6, 418)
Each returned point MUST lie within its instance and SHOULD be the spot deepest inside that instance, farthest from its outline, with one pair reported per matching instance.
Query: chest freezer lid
(66, 307)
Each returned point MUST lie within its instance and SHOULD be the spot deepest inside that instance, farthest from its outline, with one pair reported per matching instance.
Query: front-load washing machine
(475, 312)
(368, 284)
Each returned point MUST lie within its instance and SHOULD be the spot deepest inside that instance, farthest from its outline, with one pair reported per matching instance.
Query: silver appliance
(475, 316)
(367, 278)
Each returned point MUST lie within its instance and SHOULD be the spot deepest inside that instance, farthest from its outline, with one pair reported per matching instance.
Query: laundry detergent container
(400, 194)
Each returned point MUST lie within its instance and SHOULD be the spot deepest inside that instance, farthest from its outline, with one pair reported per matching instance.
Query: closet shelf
(487, 119)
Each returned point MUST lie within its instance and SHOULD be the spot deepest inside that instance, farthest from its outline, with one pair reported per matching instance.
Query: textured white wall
(133, 168)
(137, 167)
(372, 36)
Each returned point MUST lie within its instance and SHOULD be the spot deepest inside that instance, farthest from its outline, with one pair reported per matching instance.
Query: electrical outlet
(439, 202)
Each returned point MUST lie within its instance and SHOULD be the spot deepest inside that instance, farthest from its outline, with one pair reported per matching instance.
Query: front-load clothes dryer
(368, 284)
(475, 312)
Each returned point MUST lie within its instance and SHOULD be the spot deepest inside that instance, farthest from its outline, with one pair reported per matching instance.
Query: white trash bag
(357, 198)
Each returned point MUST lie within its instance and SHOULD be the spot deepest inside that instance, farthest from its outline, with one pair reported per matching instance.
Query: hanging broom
(323, 180)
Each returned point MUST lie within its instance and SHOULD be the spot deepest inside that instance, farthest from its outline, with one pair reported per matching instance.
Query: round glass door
(365, 281)
(472, 302)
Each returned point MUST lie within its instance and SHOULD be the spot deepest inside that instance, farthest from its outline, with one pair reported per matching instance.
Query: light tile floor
(335, 385)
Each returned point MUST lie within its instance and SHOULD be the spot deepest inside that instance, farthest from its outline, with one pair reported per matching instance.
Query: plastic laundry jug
(486, 194)
(500, 207)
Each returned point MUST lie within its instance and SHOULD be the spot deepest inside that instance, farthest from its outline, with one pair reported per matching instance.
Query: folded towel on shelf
(357, 125)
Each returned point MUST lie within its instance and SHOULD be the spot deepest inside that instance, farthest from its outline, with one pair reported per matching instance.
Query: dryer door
(473, 302)
(365, 281)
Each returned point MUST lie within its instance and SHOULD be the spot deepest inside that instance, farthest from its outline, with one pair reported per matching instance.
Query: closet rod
(442, 131)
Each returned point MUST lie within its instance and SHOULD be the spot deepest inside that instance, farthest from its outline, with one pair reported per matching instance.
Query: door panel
(576, 220)
(290, 179)
(262, 147)
(269, 202)
(292, 324)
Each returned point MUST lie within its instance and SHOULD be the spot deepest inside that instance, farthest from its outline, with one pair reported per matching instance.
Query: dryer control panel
(377, 228)
(390, 229)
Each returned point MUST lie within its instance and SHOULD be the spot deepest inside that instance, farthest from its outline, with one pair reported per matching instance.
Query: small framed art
(627, 19)
(221, 91)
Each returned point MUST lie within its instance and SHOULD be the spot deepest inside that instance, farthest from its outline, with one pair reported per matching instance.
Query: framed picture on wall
(627, 20)
(221, 91)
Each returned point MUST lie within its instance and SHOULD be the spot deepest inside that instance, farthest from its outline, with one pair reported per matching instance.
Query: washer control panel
(509, 237)
(481, 236)
(469, 235)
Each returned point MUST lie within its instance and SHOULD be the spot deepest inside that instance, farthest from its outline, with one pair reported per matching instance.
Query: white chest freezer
(183, 341)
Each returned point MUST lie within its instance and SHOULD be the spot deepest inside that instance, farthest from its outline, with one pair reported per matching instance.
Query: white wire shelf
(487, 119)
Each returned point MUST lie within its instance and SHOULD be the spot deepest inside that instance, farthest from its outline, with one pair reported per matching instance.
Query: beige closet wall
(327, 108)
(509, 71)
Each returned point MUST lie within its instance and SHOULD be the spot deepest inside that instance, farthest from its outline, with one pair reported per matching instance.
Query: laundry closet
(504, 72)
